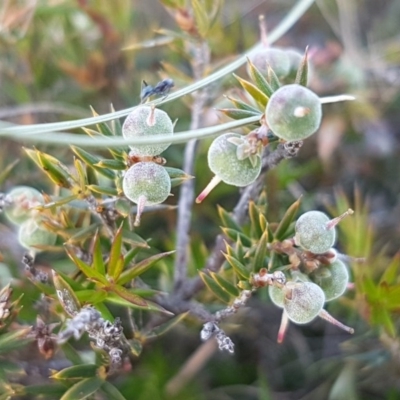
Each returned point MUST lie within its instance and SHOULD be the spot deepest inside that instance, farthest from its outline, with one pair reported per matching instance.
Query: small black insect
(161, 89)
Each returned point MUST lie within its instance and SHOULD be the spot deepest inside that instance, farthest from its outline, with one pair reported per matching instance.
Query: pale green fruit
(332, 279)
(31, 234)
(293, 112)
(276, 295)
(224, 163)
(145, 121)
(303, 301)
(276, 58)
(313, 232)
(22, 201)
(146, 180)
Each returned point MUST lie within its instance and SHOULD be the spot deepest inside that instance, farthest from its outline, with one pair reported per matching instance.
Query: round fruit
(149, 180)
(31, 235)
(313, 232)
(303, 301)
(273, 57)
(277, 295)
(293, 112)
(223, 161)
(147, 121)
(20, 203)
(332, 279)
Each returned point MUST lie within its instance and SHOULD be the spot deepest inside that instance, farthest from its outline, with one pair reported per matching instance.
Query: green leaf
(150, 306)
(98, 262)
(201, 17)
(141, 267)
(49, 391)
(259, 80)
(235, 113)
(134, 240)
(80, 234)
(237, 266)
(7, 170)
(302, 72)
(242, 105)
(85, 268)
(261, 252)
(234, 235)
(273, 79)
(130, 255)
(52, 168)
(91, 296)
(92, 161)
(254, 213)
(76, 372)
(106, 190)
(225, 285)
(112, 164)
(66, 295)
(128, 296)
(214, 287)
(392, 271)
(116, 260)
(227, 219)
(164, 328)
(103, 127)
(83, 389)
(71, 353)
(260, 97)
(14, 340)
(111, 391)
(290, 214)
(81, 172)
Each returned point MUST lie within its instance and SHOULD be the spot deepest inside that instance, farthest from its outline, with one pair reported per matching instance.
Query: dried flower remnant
(105, 334)
(46, 339)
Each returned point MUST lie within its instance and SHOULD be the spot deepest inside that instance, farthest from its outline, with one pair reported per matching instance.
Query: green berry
(314, 233)
(147, 121)
(33, 236)
(146, 183)
(21, 202)
(293, 112)
(276, 58)
(225, 164)
(276, 295)
(147, 179)
(332, 279)
(303, 301)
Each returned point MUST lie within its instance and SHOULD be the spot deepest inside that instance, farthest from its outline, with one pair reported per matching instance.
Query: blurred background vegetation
(58, 57)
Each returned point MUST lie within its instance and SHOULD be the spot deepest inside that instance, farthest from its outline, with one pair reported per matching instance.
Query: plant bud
(32, 235)
(293, 112)
(276, 58)
(303, 301)
(21, 202)
(332, 279)
(146, 183)
(225, 159)
(315, 232)
(147, 121)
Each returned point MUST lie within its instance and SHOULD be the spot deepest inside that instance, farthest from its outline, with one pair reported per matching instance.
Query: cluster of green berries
(292, 114)
(303, 295)
(146, 183)
(20, 209)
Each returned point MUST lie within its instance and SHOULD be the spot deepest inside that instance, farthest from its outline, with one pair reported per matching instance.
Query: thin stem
(60, 138)
(200, 63)
(291, 18)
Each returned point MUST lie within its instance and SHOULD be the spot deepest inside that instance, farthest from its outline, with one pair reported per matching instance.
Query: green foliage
(135, 310)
